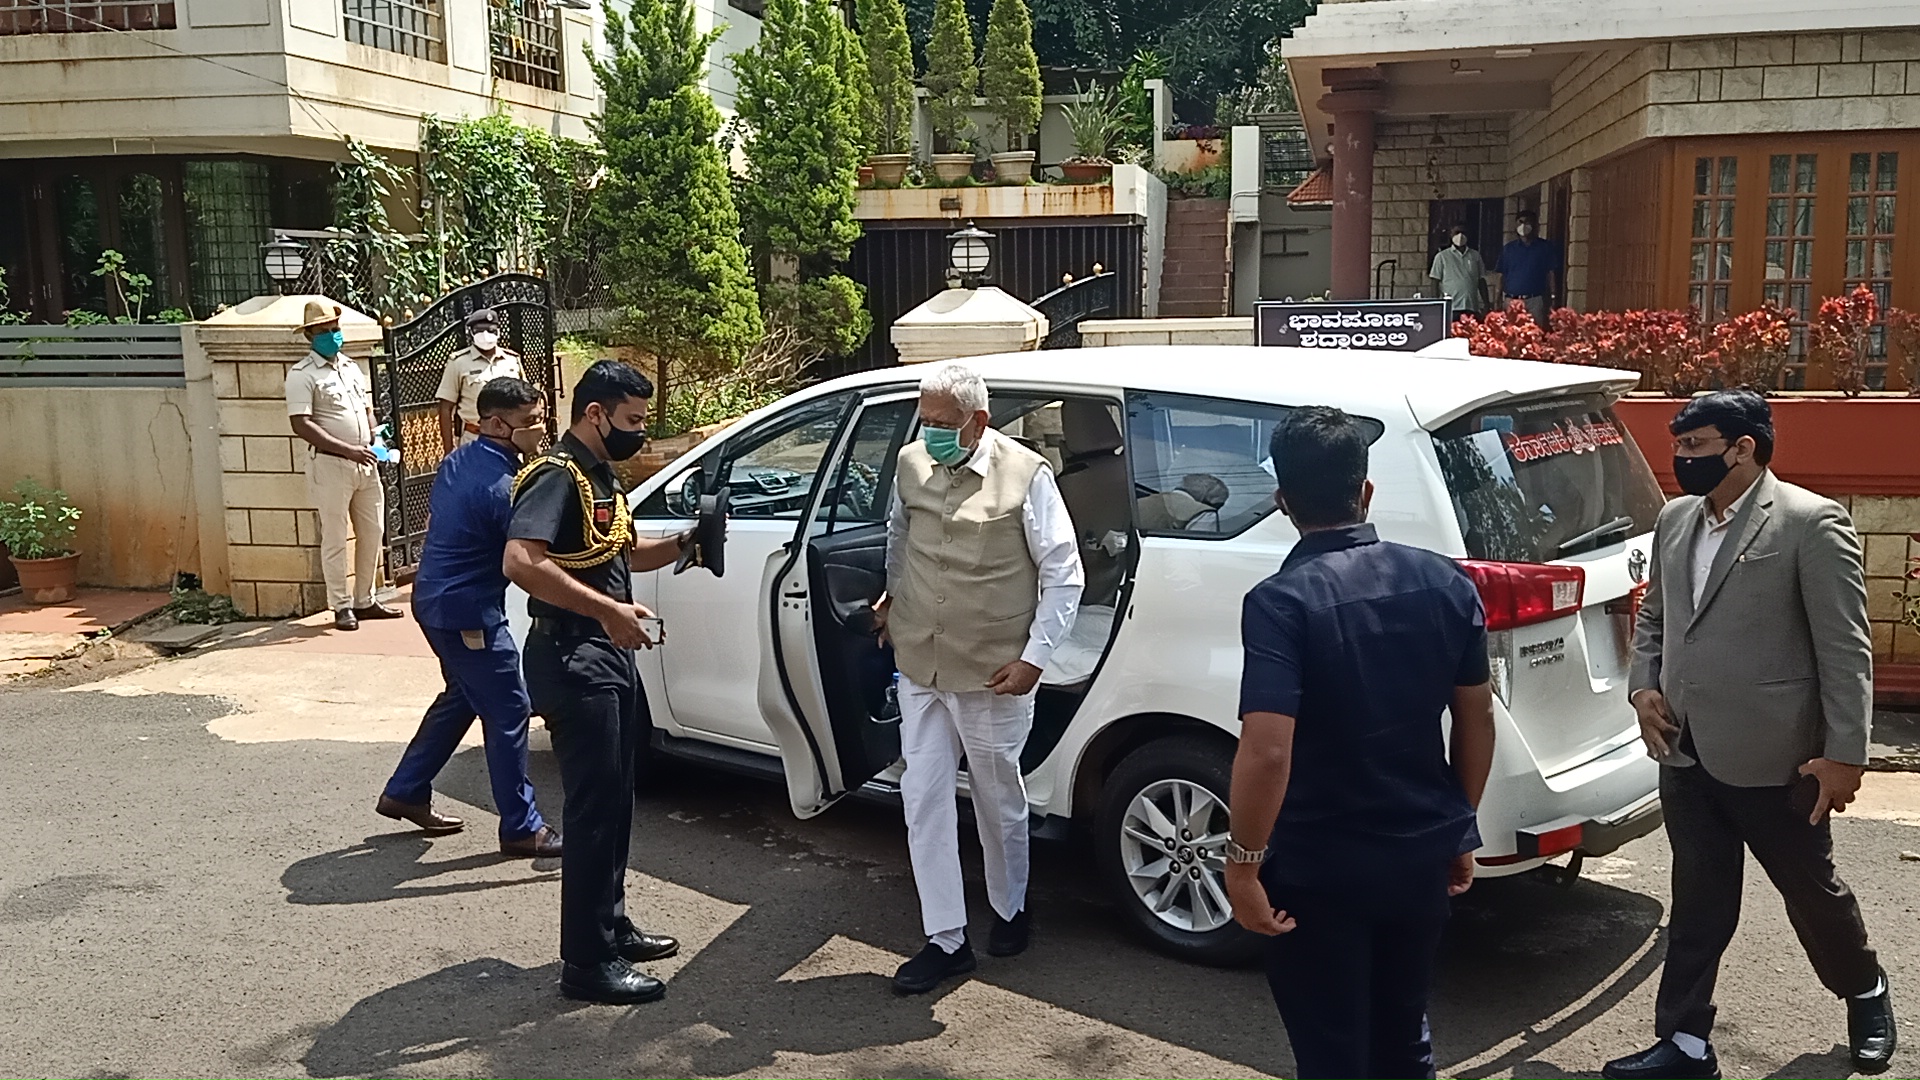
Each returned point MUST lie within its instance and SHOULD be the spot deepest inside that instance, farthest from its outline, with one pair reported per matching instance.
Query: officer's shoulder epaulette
(556, 457)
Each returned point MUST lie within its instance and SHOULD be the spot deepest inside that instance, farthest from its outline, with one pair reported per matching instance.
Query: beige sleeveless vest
(963, 602)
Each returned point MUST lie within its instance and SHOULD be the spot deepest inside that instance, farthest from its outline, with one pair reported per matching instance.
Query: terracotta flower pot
(1086, 172)
(952, 168)
(889, 170)
(48, 581)
(866, 176)
(1015, 167)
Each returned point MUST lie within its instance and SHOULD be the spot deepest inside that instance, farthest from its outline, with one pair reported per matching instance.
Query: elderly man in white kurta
(983, 576)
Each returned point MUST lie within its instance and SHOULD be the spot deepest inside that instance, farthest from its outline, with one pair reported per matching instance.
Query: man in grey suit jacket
(1753, 681)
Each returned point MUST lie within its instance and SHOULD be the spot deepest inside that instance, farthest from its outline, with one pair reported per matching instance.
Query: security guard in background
(473, 367)
(459, 600)
(571, 547)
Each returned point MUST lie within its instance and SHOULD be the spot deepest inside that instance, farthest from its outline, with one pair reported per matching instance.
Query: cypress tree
(883, 24)
(1010, 72)
(952, 77)
(674, 259)
(803, 155)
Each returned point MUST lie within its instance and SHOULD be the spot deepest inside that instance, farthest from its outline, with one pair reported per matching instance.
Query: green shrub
(39, 522)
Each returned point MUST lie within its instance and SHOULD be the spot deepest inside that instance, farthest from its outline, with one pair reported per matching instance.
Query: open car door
(826, 689)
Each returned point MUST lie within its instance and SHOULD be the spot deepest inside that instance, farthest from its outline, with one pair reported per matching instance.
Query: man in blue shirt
(1353, 818)
(1528, 269)
(459, 600)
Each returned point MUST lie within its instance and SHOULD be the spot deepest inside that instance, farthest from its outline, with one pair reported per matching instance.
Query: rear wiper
(1616, 525)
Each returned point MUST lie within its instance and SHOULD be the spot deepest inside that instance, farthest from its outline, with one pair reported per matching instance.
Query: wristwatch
(1237, 854)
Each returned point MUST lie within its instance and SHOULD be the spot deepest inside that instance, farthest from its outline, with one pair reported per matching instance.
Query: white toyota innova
(1520, 470)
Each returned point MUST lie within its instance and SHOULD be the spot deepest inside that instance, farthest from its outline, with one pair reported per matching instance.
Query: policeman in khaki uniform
(570, 545)
(467, 371)
(330, 406)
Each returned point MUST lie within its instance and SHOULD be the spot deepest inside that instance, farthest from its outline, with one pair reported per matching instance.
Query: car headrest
(1088, 429)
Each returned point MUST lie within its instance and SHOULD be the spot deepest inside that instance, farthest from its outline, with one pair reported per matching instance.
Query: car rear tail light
(1521, 594)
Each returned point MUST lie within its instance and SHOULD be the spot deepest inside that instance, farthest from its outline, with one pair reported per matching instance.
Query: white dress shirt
(1051, 542)
(1709, 538)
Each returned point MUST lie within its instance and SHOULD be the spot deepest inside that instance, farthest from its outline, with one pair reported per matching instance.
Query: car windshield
(1545, 479)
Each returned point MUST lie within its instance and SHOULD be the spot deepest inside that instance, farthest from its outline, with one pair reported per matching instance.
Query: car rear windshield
(1545, 479)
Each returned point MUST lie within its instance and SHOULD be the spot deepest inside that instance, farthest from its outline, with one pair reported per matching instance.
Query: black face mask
(1700, 475)
(621, 443)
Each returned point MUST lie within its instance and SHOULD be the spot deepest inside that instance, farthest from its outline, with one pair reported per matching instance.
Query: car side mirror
(683, 494)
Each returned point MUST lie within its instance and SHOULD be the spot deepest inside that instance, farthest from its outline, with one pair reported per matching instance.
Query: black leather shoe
(1009, 936)
(423, 815)
(378, 610)
(345, 619)
(637, 946)
(1664, 1061)
(1870, 1030)
(611, 983)
(934, 964)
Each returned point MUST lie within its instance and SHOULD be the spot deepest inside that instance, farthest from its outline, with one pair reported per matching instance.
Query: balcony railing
(74, 17)
(408, 27)
(526, 42)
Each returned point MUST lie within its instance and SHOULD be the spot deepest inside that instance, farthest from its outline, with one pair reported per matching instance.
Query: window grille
(76, 17)
(526, 42)
(408, 27)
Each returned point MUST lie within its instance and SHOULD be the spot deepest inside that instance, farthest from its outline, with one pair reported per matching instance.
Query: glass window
(864, 483)
(1871, 183)
(80, 245)
(227, 222)
(1710, 276)
(85, 16)
(408, 27)
(1201, 466)
(143, 240)
(525, 35)
(1543, 480)
(1789, 250)
(772, 468)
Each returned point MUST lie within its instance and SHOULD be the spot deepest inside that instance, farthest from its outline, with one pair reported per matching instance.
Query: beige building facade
(1720, 156)
(185, 133)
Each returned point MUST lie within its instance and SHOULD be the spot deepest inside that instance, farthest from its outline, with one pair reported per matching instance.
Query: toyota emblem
(1637, 566)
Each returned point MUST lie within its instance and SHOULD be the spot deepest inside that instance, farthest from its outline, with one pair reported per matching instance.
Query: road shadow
(390, 866)
(1835, 1062)
(1518, 953)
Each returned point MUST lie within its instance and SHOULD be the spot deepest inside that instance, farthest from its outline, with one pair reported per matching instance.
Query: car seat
(1096, 488)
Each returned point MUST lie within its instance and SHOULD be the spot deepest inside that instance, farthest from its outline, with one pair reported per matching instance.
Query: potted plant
(1010, 77)
(951, 81)
(1094, 122)
(883, 27)
(37, 526)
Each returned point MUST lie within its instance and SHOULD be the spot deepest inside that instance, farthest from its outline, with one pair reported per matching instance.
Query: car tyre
(1164, 772)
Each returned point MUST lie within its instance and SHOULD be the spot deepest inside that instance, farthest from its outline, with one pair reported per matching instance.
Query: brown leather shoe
(544, 844)
(344, 620)
(378, 610)
(422, 815)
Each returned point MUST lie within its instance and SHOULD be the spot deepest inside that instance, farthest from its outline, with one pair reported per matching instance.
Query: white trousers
(935, 728)
(351, 505)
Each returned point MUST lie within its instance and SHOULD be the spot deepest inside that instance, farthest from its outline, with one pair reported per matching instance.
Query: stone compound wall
(1416, 162)
(1886, 524)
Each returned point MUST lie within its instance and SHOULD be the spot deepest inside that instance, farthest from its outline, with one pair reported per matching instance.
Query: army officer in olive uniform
(571, 546)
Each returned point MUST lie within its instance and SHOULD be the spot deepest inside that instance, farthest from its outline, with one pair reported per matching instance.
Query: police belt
(563, 626)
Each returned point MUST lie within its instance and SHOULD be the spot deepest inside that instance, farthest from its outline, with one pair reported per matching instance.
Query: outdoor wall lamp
(970, 256)
(286, 260)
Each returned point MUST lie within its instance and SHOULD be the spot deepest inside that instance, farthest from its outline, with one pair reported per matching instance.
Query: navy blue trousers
(483, 683)
(1352, 978)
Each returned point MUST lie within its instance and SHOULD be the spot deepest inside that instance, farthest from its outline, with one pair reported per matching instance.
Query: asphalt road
(174, 904)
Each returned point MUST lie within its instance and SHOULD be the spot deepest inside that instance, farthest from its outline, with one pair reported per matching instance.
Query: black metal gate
(406, 377)
(1065, 306)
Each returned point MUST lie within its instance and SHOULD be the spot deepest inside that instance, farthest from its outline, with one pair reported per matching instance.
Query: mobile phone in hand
(1804, 796)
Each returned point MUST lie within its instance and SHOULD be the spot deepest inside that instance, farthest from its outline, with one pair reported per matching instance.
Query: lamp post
(286, 260)
(970, 256)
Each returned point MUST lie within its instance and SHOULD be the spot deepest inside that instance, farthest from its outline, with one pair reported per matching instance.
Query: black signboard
(1393, 325)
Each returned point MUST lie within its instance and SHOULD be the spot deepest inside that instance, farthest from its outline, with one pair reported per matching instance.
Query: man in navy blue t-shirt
(459, 600)
(1353, 818)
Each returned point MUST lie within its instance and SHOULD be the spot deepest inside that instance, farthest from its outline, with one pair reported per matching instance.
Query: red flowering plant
(1509, 335)
(1903, 337)
(1840, 335)
(1751, 349)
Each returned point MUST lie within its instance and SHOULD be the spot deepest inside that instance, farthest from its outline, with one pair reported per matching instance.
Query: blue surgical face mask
(943, 444)
(330, 343)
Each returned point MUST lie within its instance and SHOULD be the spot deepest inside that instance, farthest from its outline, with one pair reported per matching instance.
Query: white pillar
(967, 322)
